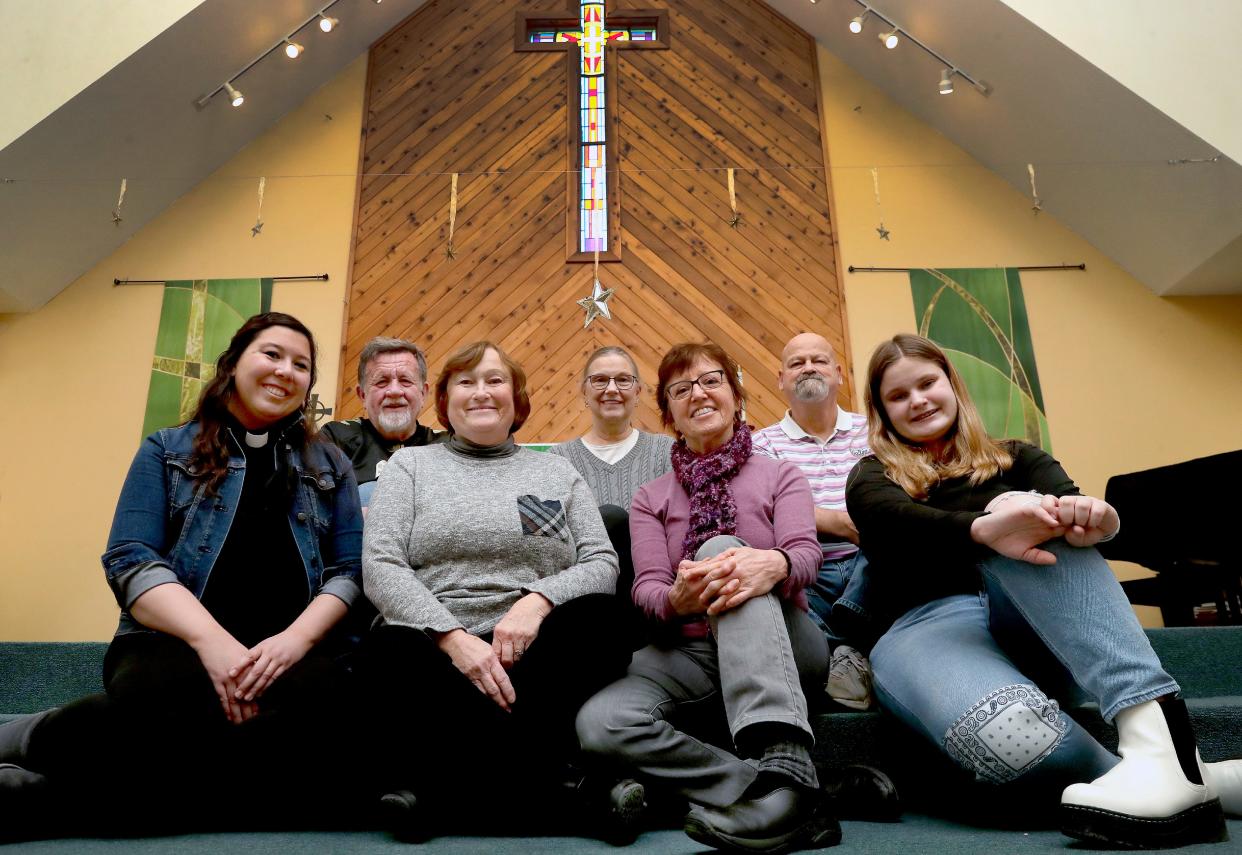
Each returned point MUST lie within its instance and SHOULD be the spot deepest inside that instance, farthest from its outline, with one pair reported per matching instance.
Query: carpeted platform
(35, 676)
(914, 835)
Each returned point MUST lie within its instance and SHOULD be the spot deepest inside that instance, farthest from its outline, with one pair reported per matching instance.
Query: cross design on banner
(594, 208)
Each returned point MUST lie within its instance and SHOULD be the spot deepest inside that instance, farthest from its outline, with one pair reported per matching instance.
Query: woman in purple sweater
(723, 547)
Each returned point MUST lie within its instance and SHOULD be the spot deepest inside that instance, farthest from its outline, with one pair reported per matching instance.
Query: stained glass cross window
(593, 226)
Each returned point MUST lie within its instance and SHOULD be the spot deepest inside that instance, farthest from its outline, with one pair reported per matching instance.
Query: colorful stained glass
(592, 36)
(593, 219)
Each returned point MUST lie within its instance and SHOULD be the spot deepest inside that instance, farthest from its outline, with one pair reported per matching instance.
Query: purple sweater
(774, 509)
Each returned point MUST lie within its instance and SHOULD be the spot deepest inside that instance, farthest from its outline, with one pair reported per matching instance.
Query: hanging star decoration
(258, 220)
(875, 183)
(120, 200)
(1038, 204)
(597, 304)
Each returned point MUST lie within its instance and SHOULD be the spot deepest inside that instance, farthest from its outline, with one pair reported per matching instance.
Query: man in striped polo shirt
(825, 442)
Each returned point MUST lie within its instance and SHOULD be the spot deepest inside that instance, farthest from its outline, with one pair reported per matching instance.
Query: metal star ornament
(597, 304)
(882, 232)
(256, 228)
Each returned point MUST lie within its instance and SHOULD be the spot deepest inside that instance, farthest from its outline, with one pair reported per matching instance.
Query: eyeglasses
(599, 382)
(707, 382)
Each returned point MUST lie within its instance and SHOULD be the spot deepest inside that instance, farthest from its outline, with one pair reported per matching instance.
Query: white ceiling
(1101, 151)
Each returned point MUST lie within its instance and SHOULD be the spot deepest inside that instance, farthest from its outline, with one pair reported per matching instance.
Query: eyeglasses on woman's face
(707, 382)
(599, 382)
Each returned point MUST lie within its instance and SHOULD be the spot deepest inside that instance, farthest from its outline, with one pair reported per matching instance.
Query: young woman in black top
(982, 557)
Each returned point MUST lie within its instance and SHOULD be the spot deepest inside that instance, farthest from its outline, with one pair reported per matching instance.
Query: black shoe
(785, 819)
(26, 805)
(402, 814)
(613, 810)
(862, 793)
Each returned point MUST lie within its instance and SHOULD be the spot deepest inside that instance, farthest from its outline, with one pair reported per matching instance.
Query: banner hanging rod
(853, 269)
(318, 277)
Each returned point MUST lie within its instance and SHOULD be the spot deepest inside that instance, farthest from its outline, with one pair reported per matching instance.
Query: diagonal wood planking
(447, 93)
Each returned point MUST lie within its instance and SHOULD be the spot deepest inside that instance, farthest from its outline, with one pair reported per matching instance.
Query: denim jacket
(167, 530)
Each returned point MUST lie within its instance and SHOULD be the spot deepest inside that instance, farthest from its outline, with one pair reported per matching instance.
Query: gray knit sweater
(453, 541)
(616, 483)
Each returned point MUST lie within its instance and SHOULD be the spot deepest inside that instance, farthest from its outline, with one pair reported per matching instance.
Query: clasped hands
(241, 676)
(1016, 523)
(727, 580)
(486, 665)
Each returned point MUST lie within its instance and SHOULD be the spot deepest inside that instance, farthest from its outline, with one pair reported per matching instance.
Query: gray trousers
(752, 667)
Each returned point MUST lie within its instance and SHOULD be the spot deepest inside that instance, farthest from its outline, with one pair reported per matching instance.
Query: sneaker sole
(628, 801)
(1203, 823)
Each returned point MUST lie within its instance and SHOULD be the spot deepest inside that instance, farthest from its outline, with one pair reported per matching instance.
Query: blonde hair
(972, 452)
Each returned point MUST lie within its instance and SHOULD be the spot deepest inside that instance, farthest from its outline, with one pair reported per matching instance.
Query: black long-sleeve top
(920, 549)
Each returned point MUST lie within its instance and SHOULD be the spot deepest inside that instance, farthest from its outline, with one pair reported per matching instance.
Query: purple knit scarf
(705, 478)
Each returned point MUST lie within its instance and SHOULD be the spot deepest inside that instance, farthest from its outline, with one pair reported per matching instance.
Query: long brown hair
(972, 452)
(209, 457)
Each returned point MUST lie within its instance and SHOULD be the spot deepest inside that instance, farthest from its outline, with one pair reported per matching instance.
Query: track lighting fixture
(946, 82)
(291, 48)
(893, 36)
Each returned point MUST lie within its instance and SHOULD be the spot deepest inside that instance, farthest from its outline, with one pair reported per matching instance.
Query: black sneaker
(402, 814)
(614, 810)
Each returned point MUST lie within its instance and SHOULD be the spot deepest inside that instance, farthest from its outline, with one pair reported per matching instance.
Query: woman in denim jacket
(234, 556)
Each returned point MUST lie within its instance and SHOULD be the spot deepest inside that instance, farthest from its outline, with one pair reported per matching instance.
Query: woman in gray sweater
(493, 576)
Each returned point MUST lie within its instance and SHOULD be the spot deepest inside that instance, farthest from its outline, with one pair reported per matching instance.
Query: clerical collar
(255, 440)
(466, 448)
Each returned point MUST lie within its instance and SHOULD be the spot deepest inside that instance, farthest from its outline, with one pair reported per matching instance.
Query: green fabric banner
(198, 319)
(978, 316)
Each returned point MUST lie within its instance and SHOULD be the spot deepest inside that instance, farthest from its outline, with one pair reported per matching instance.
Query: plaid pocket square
(542, 518)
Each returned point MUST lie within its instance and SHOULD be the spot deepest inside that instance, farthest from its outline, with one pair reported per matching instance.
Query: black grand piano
(1185, 522)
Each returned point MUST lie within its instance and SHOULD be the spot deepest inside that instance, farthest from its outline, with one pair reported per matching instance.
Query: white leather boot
(1225, 779)
(1158, 796)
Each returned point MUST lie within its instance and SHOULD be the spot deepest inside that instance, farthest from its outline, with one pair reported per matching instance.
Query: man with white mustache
(392, 384)
(825, 442)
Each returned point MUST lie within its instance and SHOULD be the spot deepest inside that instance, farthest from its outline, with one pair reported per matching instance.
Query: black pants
(617, 524)
(438, 735)
(156, 753)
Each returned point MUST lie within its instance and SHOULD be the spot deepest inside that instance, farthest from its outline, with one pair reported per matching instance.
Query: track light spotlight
(293, 50)
(946, 82)
(890, 38)
(856, 23)
(327, 24)
(234, 95)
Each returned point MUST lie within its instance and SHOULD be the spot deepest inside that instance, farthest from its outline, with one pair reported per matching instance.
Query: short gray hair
(611, 350)
(382, 344)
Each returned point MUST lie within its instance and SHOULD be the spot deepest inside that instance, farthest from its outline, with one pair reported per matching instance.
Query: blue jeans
(977, 674)
(838, 600)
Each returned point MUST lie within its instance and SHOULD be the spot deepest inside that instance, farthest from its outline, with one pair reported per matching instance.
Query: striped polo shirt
(825, 464)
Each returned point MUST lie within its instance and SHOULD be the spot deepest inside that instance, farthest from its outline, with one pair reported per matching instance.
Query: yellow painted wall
(73, 375)
(1130, 380)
